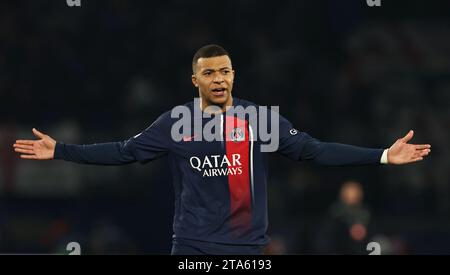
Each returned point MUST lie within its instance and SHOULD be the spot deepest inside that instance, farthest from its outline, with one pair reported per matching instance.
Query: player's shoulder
(243, 102)
(247, 103)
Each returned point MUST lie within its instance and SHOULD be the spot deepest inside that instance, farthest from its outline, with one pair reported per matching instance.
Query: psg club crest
(237, 134)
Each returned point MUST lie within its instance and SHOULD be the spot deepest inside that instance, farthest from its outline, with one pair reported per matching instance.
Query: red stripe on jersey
(237, 142)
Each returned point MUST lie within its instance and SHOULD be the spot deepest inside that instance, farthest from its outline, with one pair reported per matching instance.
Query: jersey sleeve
(152, 143)
(301, 146)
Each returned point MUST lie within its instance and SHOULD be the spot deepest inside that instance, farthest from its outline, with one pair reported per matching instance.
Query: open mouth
(218, 91)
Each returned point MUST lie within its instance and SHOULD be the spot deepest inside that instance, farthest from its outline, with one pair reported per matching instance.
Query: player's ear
(194, 80)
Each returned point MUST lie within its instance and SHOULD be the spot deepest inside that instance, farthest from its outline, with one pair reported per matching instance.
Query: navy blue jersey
(220, 186)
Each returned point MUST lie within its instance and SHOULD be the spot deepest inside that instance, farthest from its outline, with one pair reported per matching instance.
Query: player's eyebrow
(212, 70)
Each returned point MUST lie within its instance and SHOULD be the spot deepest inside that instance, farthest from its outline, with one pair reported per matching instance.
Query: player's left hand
(402, 153)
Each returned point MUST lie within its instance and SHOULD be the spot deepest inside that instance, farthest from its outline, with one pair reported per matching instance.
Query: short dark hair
(207, 51)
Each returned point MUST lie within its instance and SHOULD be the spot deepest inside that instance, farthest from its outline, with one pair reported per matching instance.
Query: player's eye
(226, 72)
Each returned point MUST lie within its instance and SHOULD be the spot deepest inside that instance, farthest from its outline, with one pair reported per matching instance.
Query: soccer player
(220, 185)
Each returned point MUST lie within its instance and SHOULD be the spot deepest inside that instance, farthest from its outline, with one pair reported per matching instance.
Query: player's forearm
(336, 154)
(113, 153)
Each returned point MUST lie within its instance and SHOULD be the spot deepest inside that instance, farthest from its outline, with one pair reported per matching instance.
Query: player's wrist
(384, 157)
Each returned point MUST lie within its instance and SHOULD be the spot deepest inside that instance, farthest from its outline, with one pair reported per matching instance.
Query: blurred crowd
(339, 71)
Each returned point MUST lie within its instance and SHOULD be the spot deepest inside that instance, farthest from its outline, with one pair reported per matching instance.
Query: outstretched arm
(401, 152)
(298, 145)
(150, 144)
(46, 148)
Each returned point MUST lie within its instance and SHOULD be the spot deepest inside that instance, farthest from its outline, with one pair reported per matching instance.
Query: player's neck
(223, 108)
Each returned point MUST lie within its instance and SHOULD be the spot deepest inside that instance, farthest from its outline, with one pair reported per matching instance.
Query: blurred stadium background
(339, 70)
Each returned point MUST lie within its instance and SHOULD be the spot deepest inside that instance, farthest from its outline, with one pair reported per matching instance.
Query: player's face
(214, 78)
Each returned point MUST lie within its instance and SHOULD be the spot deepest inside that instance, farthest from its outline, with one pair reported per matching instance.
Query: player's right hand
(41, 149)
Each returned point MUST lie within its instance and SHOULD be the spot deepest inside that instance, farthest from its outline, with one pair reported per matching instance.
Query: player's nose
(218, 79)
